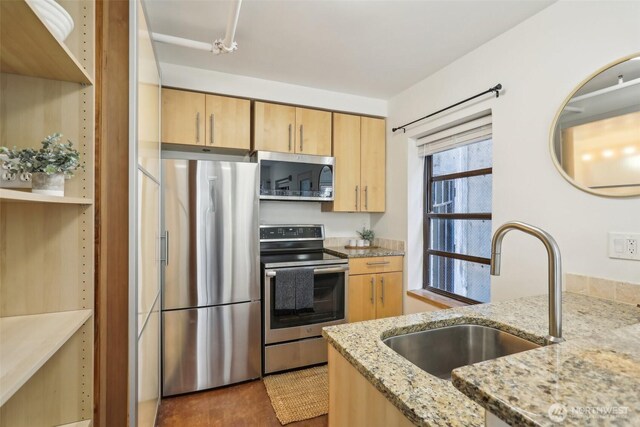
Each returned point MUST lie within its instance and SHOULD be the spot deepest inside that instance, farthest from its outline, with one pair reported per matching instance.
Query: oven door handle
(327, 270)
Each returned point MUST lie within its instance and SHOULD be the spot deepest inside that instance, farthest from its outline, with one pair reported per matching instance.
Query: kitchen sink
(439, 351)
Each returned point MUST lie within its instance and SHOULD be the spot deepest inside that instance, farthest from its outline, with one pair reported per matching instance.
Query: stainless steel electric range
(294, 339)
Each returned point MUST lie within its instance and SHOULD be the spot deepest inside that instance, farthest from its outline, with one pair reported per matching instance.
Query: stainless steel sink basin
(439, 351)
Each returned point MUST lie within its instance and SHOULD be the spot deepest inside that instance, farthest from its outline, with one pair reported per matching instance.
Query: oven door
(329, 306)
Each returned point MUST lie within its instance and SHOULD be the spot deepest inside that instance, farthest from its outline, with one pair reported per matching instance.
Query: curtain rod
(495, 89)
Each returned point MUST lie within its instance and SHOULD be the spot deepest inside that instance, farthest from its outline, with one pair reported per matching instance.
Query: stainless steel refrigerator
(211, 323)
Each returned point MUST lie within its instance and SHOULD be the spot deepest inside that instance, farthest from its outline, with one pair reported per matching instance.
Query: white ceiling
(368, 48)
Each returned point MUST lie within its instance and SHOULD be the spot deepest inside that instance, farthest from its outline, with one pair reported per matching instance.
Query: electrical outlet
(624, 245)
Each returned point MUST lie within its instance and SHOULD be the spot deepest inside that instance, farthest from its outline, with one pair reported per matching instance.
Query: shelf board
(25, 196)
(28, 48)
(84, 423)
(27, 342)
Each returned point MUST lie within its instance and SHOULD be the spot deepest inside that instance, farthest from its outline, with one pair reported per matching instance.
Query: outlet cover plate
(624, 245)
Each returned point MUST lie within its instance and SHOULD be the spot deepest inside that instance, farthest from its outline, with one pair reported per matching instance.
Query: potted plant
(368, 235)
(48, 166)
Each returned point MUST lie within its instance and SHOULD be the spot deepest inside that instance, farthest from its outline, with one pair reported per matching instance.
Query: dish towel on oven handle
(285, 292)
(304, 289)
(293, 291)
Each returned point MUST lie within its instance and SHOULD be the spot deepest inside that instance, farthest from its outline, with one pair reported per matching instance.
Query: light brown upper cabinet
(205, 120)
(372, 164)
(182, 117)
(274, 127)
(314, 132)
(228, 122)
(359, 148)
(291, 129)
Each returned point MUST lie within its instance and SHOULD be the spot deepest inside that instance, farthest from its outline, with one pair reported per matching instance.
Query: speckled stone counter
(592, 381)
(342, 252)
(430, 401)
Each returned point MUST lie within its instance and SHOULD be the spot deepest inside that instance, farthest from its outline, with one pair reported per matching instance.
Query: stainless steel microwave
(288, 176)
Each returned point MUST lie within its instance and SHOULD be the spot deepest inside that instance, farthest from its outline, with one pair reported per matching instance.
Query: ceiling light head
(629, 150)
(607, 153)
(586, 157)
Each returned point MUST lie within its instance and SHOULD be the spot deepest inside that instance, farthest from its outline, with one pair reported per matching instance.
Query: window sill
(435, 299)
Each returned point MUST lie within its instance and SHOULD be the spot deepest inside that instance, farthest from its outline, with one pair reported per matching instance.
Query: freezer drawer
(210, 347)
(295, 354)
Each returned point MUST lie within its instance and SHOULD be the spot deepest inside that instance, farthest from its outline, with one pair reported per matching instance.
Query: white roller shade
(462, 134)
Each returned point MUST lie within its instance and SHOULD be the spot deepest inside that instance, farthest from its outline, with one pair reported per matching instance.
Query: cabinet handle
(290, 135)
(378, 262)
(198, 127)
(382, 283)
(301, 138)
(371, 290)
(356, 197)
(211, 124)
(366, 197)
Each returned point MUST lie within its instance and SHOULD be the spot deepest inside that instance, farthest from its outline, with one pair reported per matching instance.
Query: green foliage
(367, 234)
(54, 157)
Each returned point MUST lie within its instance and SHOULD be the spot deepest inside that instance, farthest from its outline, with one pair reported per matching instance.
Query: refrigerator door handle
(165, 258)
(212, 193)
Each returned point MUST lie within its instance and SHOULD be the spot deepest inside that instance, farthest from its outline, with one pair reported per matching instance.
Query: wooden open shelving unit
(47, 242)
(85, 423)
(24, 196)
(28, 48)
(29, 341)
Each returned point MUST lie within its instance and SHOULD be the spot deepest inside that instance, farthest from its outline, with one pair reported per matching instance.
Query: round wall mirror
(326, 177)
(595, 140)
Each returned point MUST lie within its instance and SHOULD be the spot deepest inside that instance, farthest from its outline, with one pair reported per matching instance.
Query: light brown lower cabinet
(354, 401)
(378, 294)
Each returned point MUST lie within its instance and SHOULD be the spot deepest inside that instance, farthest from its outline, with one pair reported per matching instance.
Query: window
(457, 219)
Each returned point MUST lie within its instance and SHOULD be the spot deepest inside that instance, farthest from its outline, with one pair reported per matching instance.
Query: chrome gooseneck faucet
(555, 271)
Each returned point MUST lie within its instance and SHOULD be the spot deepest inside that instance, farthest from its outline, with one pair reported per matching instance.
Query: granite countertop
(342, 252)
(429, 401)
(590, 381)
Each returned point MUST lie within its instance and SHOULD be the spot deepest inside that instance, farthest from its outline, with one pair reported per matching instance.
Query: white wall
(251, 87)
(538, 62)
(336, 224)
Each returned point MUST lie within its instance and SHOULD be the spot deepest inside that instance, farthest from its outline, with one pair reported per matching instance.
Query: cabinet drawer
(375, 265)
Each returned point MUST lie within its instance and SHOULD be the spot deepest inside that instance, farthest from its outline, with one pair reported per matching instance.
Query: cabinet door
(182, 117)
(388, 294)
(228, 122)
(274, 127)
(313, 134)
(346, 150)
(361, 298)
(372, 165)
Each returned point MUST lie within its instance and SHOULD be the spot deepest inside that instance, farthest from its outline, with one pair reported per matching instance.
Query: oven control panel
(291, 232)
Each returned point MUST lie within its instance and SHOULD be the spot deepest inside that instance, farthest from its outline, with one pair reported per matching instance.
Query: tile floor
(240, 405)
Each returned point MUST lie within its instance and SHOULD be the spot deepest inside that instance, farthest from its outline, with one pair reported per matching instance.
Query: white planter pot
(51, 185)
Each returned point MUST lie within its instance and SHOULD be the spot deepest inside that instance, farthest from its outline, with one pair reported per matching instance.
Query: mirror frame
(554, 123)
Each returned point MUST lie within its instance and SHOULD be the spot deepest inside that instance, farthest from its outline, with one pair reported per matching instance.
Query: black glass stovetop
(299, 258)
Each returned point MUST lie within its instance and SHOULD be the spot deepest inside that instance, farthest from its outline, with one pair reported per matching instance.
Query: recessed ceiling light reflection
(586, 157)
(629, 150)
(607, 153)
